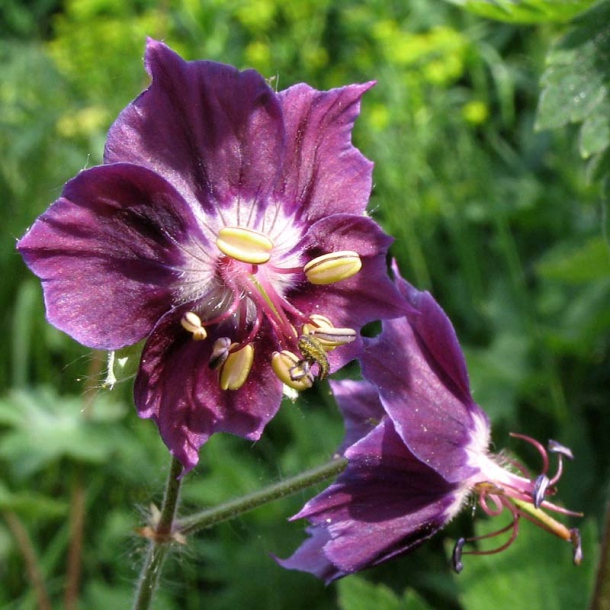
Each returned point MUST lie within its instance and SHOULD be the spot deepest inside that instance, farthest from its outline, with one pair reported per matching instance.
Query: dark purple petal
(386, 503)
(418, 367)
(177, 389)
(108, 254)
(361, 409)
(214, 132)
(309, 557)
(322, 170)
(436, 334)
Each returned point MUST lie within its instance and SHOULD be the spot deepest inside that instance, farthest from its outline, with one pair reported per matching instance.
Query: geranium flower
(227, 228)
(415, 470)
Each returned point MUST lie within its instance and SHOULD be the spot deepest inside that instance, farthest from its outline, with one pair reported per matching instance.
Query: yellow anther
(333, 267)
(245, 245)
(236, 368)
(192, 322)
(329, 338)
(284, 364)
(327, 335)
(321, 321)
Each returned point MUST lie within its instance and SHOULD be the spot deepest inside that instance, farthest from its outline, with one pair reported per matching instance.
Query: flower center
(253, 284)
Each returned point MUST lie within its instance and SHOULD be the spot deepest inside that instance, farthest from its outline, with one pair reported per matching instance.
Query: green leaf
(44, 427)
(575, 83)
(525, 11)
(31, 504)
(536, 572)
(357, 593)
(577, 265)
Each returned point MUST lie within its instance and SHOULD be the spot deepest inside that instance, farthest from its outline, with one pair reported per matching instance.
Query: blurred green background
(506, 224)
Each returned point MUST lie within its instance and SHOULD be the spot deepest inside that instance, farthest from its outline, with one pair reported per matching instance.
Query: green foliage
(512, 576)
(356, 593)
(526, 11)
(43, 428)
(575, 82)
(499, 220)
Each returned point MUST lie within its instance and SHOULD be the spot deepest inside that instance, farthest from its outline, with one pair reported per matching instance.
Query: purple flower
(227, 228)
(411, 474)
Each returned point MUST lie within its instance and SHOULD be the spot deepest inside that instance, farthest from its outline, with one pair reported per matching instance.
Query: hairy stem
(234, 508)
(166, 530)
(160, 534)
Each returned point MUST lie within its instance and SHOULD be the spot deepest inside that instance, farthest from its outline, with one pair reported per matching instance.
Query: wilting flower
(227, 228)
(414, 471)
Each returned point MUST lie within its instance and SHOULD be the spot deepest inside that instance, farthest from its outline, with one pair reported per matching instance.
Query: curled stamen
(332, 267)
(540, 486)
(220, 352)
(458, 550)
(561, 451)
(539, 447)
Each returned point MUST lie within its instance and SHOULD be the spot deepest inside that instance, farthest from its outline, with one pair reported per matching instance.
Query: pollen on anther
(192, 322)
(236, 368)
(333, 267)
(245, 245)
(284, 363)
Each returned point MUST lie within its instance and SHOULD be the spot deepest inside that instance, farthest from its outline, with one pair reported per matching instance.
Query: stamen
(237, 367)
(539, 447)
(313, 353)
(577, 544)
(283, 364)
(458, 550)
(333, 267)
(555, 447)
(220, 352)
(540, 486)
(456, 556)
(192, 322)
(245, 245)
(329, 338)
(326, 334)
(561, 451)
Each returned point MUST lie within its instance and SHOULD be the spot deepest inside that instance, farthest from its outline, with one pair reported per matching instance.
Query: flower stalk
(166, 529)
(235, 508)
(160, 536)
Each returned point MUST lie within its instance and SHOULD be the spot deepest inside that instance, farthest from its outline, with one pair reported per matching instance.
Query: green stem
(167, 530)
(160, 540)
(241, 505)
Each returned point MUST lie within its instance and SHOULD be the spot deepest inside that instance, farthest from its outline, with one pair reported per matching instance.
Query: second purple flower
(227, 228)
